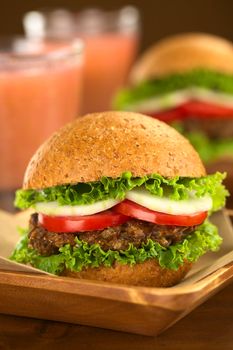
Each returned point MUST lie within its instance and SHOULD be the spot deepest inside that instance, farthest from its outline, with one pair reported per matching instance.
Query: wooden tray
(147, 311)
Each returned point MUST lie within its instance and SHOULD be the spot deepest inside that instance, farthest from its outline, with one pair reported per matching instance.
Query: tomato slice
(204, 109)
(98, 221)
(194, 109)
(169, 115)
(139, 212)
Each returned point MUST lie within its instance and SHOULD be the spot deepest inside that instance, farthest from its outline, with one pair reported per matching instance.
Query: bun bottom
(146, 274)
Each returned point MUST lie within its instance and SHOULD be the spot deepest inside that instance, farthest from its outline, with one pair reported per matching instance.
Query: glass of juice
(111, 43)
(40, 90)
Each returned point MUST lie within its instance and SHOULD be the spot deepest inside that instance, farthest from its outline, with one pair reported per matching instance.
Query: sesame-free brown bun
(108, 144)
(147, 274)
(182, 53)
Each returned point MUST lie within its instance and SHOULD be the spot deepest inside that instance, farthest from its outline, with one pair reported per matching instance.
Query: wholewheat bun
(147, 274)
(108, 144)
(184, 52)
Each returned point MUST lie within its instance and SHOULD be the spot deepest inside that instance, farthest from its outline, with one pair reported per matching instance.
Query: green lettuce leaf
(83, 255)
(177, 188)
(202, 78)
(209, 149)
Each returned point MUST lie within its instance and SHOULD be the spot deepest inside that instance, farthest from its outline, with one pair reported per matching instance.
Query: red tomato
(98, 221)
(204, 109)
(139, 212)
(168, 115)
(194, 109)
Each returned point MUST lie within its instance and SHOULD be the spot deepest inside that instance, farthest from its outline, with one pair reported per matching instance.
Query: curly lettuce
(83, 255)
(202, 78)
(176, 188)
(208, 149)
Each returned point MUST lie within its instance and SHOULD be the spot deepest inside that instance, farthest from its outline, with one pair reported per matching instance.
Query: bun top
(182, 53)
(108, 144)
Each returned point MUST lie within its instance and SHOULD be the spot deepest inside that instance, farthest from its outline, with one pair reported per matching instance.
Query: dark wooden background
(160, 17)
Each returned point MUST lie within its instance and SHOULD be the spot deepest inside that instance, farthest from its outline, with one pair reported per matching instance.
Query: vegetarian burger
(187, 80)
(118, 197)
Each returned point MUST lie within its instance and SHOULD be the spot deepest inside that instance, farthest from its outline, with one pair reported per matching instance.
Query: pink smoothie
(108, 58)
(37, 97)
(111, 43)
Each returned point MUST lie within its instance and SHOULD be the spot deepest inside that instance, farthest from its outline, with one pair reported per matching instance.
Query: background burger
(118, 197)
(187, 80)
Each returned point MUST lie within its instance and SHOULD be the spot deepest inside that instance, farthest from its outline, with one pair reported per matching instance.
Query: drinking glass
(40, 90)
(111, 43)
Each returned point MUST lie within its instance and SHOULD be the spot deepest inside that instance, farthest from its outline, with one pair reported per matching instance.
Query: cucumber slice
(169, 206)
(54, 209)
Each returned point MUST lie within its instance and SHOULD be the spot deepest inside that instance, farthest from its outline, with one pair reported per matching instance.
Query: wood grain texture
(140, 310)
(209, 327)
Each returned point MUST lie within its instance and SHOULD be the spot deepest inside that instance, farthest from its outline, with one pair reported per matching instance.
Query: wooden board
(208, 327)
(139, 310)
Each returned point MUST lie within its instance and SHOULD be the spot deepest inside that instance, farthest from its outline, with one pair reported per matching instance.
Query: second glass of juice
(40, 90)
(111, 43)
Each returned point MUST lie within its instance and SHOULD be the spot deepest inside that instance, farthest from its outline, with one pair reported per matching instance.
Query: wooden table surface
(209, 327)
